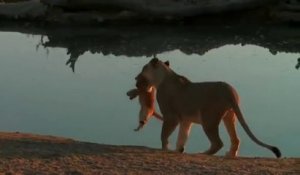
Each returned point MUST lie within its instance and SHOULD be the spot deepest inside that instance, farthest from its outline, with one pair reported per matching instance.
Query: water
(40, 94)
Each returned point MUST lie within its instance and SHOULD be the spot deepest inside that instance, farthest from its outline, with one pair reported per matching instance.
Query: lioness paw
(230, 154)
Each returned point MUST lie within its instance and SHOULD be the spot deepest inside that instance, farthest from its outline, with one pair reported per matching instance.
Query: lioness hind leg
(212, 133)
(229, 121)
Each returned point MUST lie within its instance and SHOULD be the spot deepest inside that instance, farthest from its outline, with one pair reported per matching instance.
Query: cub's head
(142, 83)
(155, 71)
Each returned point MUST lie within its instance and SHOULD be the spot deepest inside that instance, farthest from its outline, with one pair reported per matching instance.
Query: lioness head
(155, 71)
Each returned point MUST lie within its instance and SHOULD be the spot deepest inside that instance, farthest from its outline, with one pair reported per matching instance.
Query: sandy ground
(34, 154)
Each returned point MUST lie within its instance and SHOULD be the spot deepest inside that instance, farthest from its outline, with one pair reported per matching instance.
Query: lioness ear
(167, 63)
(138, 76)
(154, 62)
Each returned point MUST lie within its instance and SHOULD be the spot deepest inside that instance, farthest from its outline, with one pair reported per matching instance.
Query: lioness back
(204, 96)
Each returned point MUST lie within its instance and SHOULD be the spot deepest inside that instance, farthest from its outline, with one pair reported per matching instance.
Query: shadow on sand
(17, 145)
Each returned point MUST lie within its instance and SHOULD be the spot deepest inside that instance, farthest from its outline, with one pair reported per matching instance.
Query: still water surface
(40, 94)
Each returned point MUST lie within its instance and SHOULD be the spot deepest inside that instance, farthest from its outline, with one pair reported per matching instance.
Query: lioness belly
(196, 118)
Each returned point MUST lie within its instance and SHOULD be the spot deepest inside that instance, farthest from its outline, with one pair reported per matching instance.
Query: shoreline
(93, 12)
(22, 153)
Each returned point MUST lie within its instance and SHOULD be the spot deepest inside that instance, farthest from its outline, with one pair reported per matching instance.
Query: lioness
(146, 94)
(184, 102)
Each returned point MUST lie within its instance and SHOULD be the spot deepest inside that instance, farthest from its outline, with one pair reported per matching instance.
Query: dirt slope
(34, 154)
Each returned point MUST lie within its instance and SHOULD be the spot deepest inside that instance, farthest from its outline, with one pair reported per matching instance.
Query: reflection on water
(298, 64)
(39, 94)
(148, 40)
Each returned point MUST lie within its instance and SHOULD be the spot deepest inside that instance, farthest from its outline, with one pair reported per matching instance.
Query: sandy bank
(34, 154)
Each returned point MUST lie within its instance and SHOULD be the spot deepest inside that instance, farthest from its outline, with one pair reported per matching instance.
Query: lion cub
(146, 94)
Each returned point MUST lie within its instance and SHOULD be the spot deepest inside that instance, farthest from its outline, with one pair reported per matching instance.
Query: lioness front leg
(167, 129)
(183, 134)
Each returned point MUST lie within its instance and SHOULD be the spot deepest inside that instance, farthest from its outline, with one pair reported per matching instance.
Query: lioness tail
(241, 119)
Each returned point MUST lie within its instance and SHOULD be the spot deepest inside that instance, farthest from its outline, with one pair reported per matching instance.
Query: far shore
(22, 153)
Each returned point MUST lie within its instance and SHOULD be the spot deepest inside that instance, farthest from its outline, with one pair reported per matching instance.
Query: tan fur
(146, 96)
(183, 102)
